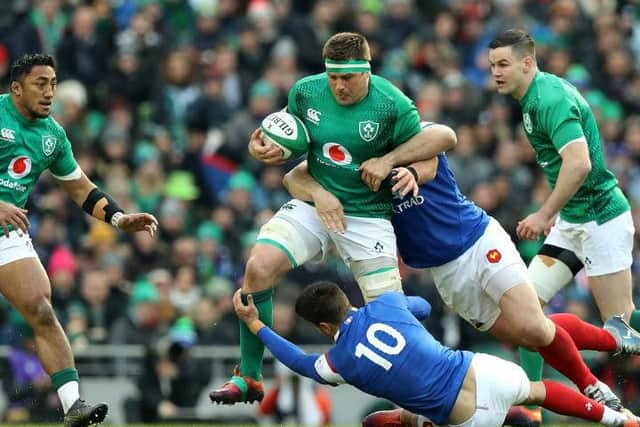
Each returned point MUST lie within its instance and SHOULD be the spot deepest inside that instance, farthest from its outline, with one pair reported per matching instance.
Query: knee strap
(552, 269)
(378, 282)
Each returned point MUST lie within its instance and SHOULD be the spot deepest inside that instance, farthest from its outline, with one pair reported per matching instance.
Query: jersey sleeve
(292, 105)
(326, 370)
(419, 307)
(290, 354)
(561, 121)
(408, 120)
(64, 165)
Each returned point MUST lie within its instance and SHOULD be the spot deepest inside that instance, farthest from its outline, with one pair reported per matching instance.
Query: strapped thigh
(376, 276)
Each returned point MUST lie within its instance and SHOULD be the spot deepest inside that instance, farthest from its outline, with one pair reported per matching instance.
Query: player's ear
(16, 88)
(528, 63)
(325, 328)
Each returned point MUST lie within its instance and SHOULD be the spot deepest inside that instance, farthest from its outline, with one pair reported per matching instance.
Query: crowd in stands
(159, 97)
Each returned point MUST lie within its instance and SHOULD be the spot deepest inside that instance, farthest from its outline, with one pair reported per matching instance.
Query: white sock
(612, 418)
(68, 394)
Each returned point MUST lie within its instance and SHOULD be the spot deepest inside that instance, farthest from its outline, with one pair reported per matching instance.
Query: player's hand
(533, 225)
(246, 313)
(403, 182)
(550, 224)
(264, 151)
(374, 171)
(167, 409)
(330, 211)
(138, 222)
(11, 215)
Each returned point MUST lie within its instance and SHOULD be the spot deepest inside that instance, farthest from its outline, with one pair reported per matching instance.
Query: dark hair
(23, 65)
(323, 302)
(521, 42)
(344, 46)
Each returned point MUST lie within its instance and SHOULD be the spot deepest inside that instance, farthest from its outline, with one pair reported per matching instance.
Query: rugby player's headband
(347, 66)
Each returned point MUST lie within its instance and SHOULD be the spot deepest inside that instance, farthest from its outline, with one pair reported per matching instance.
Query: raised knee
(261, 271)
(40, 314)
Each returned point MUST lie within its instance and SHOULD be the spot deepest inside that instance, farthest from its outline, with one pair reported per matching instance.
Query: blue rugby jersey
(439, 224)
(383, 350)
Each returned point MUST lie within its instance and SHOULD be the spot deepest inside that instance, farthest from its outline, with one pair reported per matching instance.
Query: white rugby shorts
(473, 284)
(297, 230)
(602, 248)
(499, 385)
(17, 246)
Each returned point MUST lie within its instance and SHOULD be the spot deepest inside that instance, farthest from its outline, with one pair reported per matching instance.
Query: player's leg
(291, 238)
(549, 271)
(521, 320)
(608, 256)
(368, 247)
(564, 400)
(25, 284)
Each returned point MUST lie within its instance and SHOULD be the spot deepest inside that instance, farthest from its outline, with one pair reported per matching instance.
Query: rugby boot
(238, 390)
(627, 338)
(393, 418)
(521, 416)
(601, 393)
(81, 414)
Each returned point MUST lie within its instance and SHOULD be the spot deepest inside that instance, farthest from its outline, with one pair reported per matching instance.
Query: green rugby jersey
(343, 137)
(554, 113)
(27, 148)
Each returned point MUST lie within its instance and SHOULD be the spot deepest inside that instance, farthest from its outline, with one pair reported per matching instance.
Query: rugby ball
(287, 132)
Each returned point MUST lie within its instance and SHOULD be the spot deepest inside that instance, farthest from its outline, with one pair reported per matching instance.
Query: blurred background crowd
(159, 97)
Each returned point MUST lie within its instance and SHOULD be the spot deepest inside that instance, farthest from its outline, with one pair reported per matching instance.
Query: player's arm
(407, 179)
(419, 307)
(424, 145)
(426, 170)
(301, 185)
(285, 351)
(576, 165)
(561, 122)
(102, 206)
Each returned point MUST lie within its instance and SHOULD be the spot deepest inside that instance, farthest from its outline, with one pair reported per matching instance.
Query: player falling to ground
(32, 142)
(477, 269)
(360, 127)
(586, 218)
(383, 349)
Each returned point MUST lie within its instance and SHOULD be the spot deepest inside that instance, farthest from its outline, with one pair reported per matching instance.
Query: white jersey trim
(76, 174)
(326, 372)
(581, 139)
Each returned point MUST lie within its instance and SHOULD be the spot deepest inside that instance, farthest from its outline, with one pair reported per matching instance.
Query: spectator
(172, 380)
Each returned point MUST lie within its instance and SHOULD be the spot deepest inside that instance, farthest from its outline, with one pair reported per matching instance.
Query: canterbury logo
(313, 115)
(7, 134)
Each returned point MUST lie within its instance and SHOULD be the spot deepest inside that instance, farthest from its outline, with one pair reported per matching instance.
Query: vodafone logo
(19, 166)
(337, 153)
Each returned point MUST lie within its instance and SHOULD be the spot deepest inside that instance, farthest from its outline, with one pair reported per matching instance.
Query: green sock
(251, 348)
(634, 321)
(532, 364)
(60, 378)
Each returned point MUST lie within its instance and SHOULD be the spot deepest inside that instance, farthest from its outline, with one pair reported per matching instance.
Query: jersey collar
(16, 114)
(530, 89)
(345, 323)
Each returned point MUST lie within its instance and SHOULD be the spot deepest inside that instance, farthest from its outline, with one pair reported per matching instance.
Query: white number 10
(363, 350)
